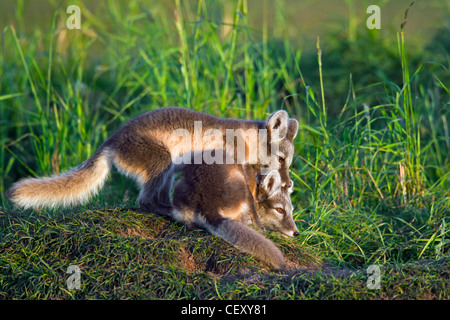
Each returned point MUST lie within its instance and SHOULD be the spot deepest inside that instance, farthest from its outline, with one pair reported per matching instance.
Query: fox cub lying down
(225, 198)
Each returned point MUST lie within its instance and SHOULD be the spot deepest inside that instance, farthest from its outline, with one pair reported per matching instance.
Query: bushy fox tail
(249, 240)
(66, 189)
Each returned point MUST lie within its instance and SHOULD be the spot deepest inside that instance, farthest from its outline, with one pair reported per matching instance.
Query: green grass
(371, 171)
(125, 254)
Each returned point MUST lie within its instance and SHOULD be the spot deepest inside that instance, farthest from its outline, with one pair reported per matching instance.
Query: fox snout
(291, 233)
(288, 227)
(285, 226)
(295, 233)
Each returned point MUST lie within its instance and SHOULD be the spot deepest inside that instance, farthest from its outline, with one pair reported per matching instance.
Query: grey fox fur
(225, 198)
(143, 149)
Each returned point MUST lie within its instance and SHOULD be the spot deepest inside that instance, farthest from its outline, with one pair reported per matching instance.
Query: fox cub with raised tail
(224, 199)
(146, 149)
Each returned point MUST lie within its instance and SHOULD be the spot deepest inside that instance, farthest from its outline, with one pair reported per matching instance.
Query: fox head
(281, 132)
(274, 204)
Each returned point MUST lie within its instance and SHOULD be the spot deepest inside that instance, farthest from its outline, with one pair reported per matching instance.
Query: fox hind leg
(155, 193)
(150, 164)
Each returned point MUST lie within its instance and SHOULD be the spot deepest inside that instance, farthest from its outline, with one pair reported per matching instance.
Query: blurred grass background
(372, 169)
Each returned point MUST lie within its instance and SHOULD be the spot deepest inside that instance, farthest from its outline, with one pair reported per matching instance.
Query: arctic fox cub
(225, 198)
(145, 149)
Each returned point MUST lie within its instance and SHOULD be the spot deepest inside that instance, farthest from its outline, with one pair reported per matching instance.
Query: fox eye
(279, 210)
(280, 159)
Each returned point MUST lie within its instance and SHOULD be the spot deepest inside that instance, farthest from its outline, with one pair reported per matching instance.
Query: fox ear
(278, 121)
(291, 186)
(271, 183)
(292, 129)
